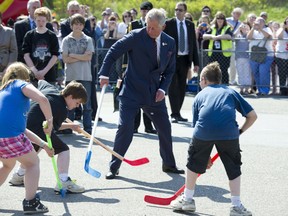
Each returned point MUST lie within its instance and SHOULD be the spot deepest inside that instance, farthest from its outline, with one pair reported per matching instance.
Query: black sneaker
(34, 206)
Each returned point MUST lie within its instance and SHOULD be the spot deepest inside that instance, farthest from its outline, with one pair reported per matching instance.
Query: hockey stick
(87, 167)
(167, 201)
(137, 162)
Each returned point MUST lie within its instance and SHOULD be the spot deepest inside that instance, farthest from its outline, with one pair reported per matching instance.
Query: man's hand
(159, 96)
(103, 82)
(196, 68)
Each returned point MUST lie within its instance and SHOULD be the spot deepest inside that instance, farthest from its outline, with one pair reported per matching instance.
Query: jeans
(87, 111)
(261, 72)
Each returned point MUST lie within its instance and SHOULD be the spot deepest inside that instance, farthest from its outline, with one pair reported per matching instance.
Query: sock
(188, 194)
(63, 177)
(20, 171)
(235, 200)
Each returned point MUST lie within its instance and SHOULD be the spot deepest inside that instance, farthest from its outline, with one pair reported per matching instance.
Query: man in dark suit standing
(183, 31)
(23, 26)
(151, 65)
(136, 24)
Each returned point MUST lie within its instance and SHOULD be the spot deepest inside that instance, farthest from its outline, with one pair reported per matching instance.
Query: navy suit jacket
(143, 76)
(171, 29)
(21, 28)
(136, 24)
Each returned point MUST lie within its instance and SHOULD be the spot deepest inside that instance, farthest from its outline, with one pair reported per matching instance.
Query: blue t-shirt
(214, 113)
(14, 106)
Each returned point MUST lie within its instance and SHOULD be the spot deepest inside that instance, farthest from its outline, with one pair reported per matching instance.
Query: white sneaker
(183, 205)
(17, 180)
(70, 186)
(239, 211)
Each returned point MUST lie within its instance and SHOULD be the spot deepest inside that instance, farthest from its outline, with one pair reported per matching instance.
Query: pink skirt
(15, 146)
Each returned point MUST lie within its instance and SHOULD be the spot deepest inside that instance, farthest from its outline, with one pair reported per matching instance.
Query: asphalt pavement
(264, 180)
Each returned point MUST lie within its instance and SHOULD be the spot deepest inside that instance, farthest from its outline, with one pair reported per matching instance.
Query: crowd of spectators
(230, 43)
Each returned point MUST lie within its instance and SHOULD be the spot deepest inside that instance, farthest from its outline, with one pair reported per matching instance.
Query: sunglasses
(126, 16)
(180, 10)
(220, 18)
(206, 11)
(93, 19)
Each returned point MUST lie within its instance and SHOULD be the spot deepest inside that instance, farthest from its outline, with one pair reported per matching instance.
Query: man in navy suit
(136, 24)
(186, 54)
(148, 76)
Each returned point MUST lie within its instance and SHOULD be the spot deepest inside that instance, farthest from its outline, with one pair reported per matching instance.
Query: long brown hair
(16, 70)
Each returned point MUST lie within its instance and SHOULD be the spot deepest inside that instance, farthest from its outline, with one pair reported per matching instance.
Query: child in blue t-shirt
(214, 122)
(15, 145)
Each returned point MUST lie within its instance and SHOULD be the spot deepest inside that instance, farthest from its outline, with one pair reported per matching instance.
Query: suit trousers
(177, 87)
(158, 113)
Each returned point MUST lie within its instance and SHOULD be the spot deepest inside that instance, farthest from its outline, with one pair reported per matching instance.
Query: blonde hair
(16, 70)
(43, 11)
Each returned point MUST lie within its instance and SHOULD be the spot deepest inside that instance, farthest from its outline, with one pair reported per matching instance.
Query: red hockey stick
(167, 201)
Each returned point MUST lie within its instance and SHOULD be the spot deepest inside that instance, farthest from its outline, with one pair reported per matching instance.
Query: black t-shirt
(35, 116)
(41, 48)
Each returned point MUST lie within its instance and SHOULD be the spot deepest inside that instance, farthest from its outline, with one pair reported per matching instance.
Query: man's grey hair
(32, 1)
(72, 3)
(156, 14)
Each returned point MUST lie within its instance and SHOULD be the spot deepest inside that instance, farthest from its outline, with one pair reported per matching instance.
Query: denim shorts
(229, 151)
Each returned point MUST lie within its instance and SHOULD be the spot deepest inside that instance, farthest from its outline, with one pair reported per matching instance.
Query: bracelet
(42, 144)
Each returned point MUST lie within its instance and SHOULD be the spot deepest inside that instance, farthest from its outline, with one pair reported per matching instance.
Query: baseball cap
(146, 5)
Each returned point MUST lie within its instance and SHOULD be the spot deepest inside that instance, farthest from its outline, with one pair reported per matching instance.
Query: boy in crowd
(40, 48)
(77, 49)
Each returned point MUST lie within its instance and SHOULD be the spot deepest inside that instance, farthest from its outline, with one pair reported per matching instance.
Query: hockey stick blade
(137, 162)
(167, 201)
(88, 169)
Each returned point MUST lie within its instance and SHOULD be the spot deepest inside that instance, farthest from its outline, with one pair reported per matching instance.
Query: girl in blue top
(15, 145)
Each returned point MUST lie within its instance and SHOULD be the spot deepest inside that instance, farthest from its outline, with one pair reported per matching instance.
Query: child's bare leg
(7, 166)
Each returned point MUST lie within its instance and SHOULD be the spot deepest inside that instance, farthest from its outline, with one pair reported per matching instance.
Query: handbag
(258, 53)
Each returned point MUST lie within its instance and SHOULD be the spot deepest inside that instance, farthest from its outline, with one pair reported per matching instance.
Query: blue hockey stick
(87, 167)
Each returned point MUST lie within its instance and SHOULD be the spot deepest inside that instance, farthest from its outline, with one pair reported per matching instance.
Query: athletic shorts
(58, 145)
(15, 146)
(229, 151)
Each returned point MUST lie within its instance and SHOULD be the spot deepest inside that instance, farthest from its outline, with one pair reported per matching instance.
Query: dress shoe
(151, 131)
(111, 175)
(174, 120)
(180, 118)
(168, 169)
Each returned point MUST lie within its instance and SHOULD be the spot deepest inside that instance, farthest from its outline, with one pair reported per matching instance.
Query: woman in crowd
(259, 35)
(124, 25)
(220, 36)
(242, 58)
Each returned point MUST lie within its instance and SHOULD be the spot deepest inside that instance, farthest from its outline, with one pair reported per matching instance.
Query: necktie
(155, 56)
(181, 38)
(33, 24)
